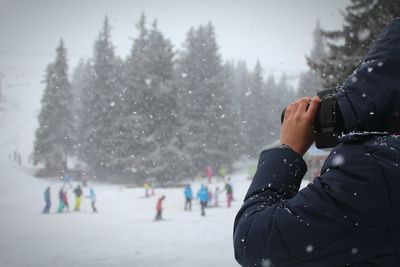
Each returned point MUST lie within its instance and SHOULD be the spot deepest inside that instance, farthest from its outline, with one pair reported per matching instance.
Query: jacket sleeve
(337, 219)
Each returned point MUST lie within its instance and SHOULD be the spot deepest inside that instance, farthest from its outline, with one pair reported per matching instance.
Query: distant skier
(47, 199)
(159, 209)
(78, 194)
(146, 189)
(65, 197)
(229, 192)
(188, 197)
(222, 171)
(93, 199)
(61, 203)
(202, 196)
(209, 174)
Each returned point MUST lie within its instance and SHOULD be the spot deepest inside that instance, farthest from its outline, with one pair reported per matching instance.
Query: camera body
(329, 124)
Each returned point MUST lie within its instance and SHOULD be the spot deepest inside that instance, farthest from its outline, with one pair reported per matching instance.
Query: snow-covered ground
(122, 233)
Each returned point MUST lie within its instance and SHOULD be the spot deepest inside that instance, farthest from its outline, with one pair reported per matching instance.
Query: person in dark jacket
(350, 214)
(47, 199)
(78, 194)
(61, 204)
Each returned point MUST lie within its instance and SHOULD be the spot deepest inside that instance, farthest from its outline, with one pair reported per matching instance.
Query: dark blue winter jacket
(350, 214)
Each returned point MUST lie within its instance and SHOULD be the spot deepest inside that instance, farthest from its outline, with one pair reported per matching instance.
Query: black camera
(329, 124)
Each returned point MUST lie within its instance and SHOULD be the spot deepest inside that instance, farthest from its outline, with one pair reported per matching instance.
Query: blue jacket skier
(188, 197)
(350, 214)
(202, 195)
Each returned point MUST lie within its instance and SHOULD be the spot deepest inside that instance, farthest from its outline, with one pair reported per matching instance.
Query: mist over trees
(159, 113)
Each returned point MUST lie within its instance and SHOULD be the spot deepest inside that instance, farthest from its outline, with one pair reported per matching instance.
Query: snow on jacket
(350, 214)
(202, 195)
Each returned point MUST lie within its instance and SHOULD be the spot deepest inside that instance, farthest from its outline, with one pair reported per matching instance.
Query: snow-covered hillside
(122, 233)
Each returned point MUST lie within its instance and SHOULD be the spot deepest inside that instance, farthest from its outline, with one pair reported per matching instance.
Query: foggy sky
(276, 32)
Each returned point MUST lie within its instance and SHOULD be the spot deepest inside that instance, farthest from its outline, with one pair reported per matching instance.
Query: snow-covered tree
(99, 113)
(234, 77)
(54, 142)
(81, 82)
(255, 112)
(363, 21)
(161, 153)
(202, 92)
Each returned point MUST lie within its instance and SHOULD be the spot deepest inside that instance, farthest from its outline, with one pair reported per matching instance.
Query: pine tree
(238, 83)
(256, 113)
(364, 20)
(97, 124)
(134, 126)
(310, 82)
(161, 152)
(201, 89)
(54, 143)
(81, 79)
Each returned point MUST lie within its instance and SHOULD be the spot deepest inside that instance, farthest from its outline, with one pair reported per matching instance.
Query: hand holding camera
(297, 127)
(328, 122)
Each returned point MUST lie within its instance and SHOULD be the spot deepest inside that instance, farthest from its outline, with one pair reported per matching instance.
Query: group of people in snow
(205, 197)
(63, 203)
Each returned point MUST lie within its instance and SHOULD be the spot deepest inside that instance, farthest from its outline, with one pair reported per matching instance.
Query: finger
(288, 111)
(313, 108)
(295, 107)
(303, 104)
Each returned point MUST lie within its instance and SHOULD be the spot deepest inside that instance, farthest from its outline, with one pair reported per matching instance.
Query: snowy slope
(123, 233)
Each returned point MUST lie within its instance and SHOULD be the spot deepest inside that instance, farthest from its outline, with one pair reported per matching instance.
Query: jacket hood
(369, 99)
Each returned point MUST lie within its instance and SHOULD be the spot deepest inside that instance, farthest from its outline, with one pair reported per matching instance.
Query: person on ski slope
(188, 197)
(47, 199)
(202, 196)
(159, 208)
